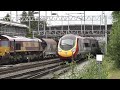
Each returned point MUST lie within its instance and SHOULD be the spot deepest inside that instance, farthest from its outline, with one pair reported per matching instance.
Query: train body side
(50, 47)
(80, 46)
(20, 47)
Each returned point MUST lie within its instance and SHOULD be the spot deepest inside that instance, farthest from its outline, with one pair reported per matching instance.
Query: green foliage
(7, 18)
(115, 15)
(91, 70)
(30, 16)
(102, 46)
(32, 23)
(73, 74)
(94, 70)
(114, 42)
(24, 16)
(29, 35)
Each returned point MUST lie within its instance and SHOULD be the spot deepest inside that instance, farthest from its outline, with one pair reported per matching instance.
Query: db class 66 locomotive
(76, 47)
(20, 49)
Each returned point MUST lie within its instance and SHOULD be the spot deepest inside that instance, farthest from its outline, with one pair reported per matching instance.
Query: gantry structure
(49, 31)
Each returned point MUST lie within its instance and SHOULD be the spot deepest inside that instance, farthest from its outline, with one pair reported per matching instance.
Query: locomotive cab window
(93, 45)
(86, 44)
(18, 46)
(4, 43)
(67, 42)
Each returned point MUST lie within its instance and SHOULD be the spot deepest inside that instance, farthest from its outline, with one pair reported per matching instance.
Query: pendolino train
(76, 47)
(19, 48)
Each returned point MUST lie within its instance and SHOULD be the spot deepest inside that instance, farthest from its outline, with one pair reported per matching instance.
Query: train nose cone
(65, 53)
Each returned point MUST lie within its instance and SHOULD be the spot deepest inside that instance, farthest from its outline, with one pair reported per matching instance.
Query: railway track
(43, 72)
(56, 72)
(24, 67)
(48, 69)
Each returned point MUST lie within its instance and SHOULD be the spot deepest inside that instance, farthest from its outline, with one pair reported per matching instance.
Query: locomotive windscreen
(67, 42)
(4, 43)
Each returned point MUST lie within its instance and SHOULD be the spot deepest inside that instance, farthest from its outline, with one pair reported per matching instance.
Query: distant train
(76, 47)
(19, 48)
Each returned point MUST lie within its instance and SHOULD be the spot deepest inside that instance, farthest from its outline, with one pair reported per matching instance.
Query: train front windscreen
(4, 43)
(67, 43)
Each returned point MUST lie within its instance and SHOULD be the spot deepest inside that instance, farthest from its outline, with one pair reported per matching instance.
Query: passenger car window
(93, 45)
(86, 44)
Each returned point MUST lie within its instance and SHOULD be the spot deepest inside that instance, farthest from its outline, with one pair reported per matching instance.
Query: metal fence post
(105, 34)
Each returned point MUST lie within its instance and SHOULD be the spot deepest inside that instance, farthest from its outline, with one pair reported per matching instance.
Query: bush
(91, 70)
(114, 41)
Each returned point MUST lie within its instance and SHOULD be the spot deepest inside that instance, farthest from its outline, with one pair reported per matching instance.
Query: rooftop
(13, 24)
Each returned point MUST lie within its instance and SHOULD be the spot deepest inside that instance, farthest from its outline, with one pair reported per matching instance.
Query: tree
(33, 23)
(114, 40)
(23, 18)
(7, 17)
(24, 21)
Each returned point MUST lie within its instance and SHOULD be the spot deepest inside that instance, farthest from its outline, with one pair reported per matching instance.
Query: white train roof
(21, 38)
(13, 24)
(49, 41)
(77, 36)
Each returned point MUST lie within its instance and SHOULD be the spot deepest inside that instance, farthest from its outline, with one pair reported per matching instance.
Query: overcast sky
(63, 13)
